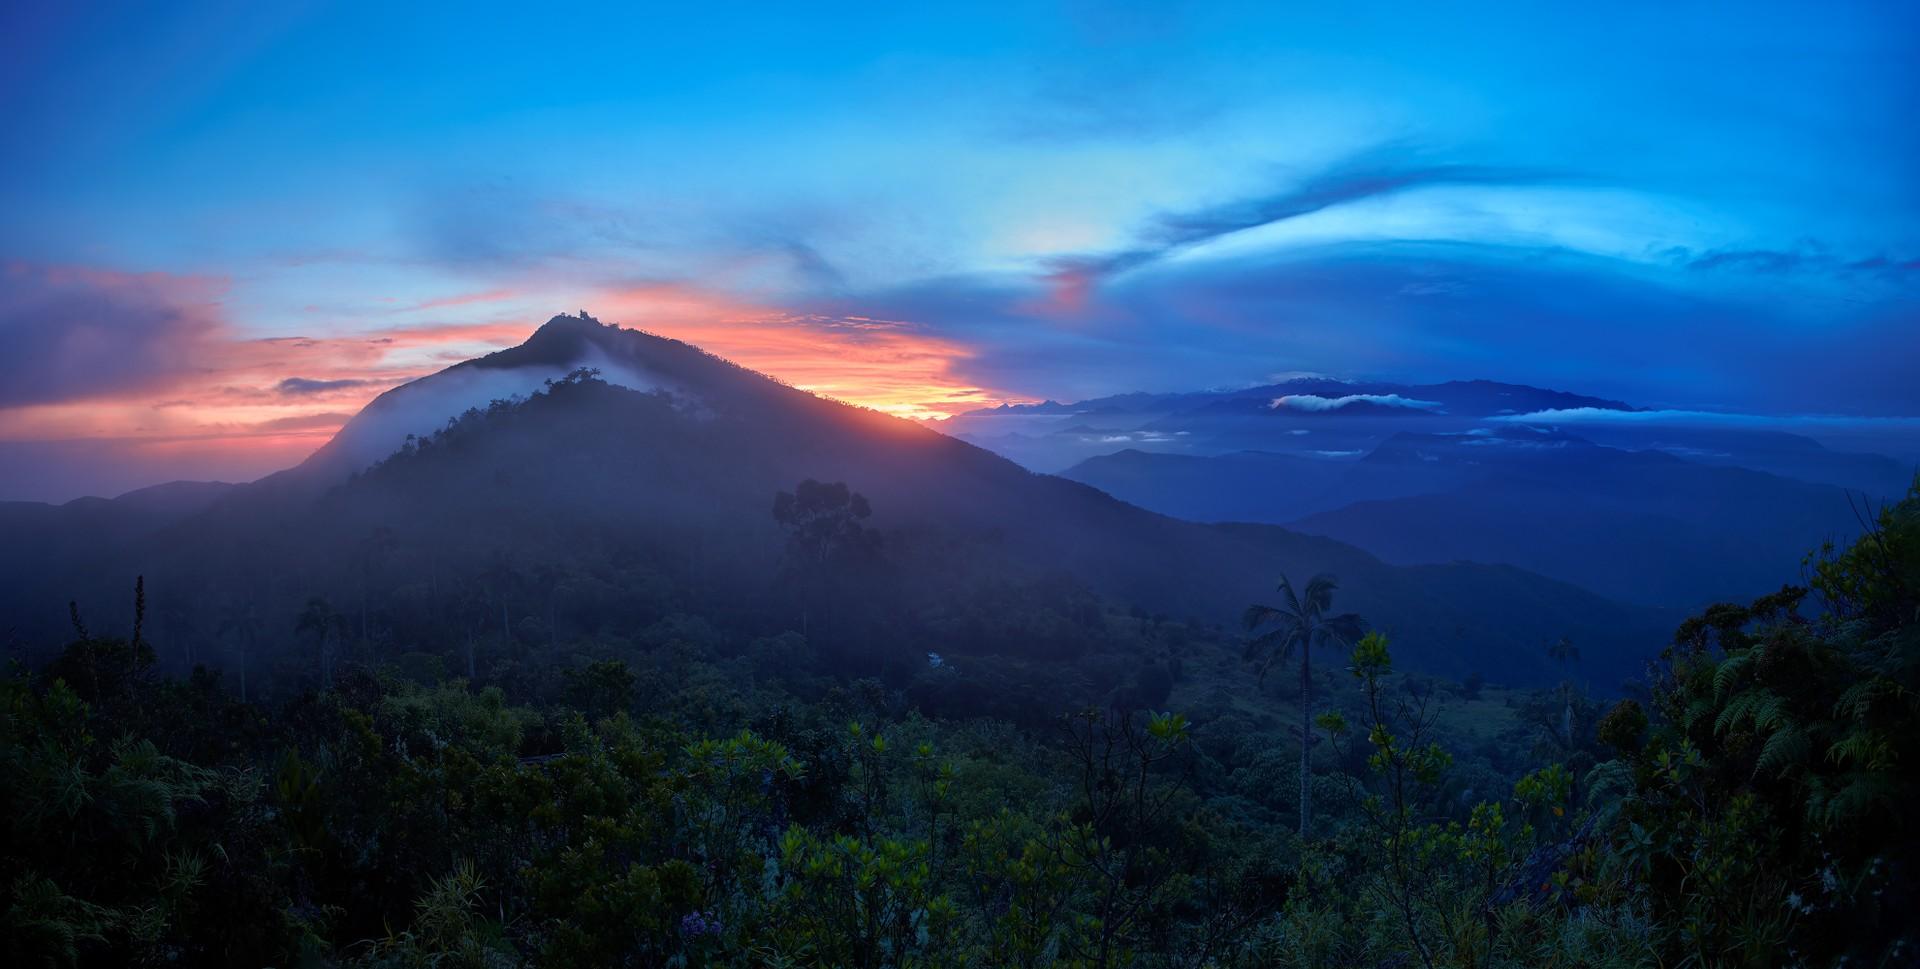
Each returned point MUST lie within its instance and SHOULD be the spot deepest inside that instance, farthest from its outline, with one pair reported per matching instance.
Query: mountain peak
(581, 322)
(628, 357)
(558, 341)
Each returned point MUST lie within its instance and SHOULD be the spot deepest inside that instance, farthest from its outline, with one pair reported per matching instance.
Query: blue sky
(1690, 205)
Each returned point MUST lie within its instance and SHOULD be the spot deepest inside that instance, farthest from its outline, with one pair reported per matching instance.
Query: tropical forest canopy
(665, 663)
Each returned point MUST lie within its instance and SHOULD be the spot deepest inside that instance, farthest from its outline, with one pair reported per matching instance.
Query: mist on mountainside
(1063, 485)
(641, 598)
(584, 475)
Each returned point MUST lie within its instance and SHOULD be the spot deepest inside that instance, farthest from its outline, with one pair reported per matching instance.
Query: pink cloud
(149, 366)
(69, 331)
(92, 353)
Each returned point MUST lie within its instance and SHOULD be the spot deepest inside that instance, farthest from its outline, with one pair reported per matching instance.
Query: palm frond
(1320, 591)
(1293, 601)
(1259, 615)
(1345, 629)
(1277, 643)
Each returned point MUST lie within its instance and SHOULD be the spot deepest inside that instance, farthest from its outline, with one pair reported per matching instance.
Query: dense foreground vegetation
(677, 797)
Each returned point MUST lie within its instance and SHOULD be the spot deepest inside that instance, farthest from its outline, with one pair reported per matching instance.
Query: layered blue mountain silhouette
(661, 474)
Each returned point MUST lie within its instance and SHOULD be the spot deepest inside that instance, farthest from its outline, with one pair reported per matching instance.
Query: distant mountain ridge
(1644, 526)
(1324, 418)
(1464, 397)
(1317, 415)
(41, 539)
(683, 468)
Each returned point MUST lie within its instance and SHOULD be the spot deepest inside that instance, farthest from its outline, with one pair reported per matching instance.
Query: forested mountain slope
(592, 503)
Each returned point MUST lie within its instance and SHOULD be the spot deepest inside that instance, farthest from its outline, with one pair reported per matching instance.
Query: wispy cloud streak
(1379, 172)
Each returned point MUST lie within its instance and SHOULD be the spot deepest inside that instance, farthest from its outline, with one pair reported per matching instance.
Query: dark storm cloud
(1811, 259)
(303, 422)
(70, 333)
(303, 386)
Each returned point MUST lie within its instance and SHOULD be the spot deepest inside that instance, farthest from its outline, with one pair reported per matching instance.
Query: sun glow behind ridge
(245, 405)
(892, 366)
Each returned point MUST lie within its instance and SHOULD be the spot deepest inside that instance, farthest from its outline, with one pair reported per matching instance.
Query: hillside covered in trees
(1072, 485)
(609, 496)
(605, 676)
(679, 796)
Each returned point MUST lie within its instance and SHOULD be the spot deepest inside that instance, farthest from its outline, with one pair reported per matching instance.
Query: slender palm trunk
(1306, 739)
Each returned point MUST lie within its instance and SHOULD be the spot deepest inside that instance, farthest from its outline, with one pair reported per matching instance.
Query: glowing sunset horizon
(212, 253)
(244, 405)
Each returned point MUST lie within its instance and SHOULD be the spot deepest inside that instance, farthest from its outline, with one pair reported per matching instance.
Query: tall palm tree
(243, 622)
(1298, 624)
(1565, 653)
(500, 578)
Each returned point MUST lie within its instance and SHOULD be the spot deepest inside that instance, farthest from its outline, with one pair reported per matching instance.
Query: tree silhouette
(500, 577)
(472, 605)
(1567, 654)
(241, 620)
(554, 580)
(1297, 624)
(104, 669)
(601, 688)
(325, 623)
(824, 535)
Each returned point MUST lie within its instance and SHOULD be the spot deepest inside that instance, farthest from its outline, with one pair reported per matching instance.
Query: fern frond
(1863, 749)
(1858, 700)
(1728, 672)
(1764, 709)
(1737, 711)
(1783, 750)
(1771, 713)
(1855, 799)
(1697, 710)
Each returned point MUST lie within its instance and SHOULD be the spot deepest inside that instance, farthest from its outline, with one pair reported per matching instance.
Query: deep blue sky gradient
(1688, 205)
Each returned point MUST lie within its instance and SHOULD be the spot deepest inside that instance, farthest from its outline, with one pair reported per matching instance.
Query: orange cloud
(149, 357)
(889, 365)
(200, 390)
